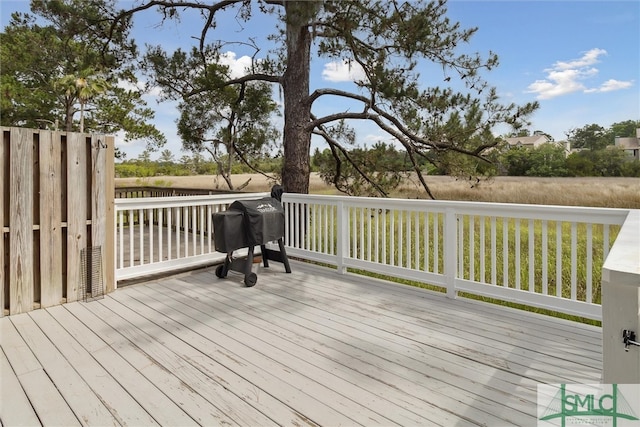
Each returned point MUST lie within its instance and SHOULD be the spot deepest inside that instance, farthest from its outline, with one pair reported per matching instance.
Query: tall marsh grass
(587, 191)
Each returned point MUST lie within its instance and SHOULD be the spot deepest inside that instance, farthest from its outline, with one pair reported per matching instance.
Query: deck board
(308, 348)
(15, 408)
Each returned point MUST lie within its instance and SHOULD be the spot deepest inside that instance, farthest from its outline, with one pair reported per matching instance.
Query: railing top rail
(177, 201)
(511, 210)
(201, 191)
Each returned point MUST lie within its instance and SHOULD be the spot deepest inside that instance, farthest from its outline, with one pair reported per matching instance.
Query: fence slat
(99, 197)
(21, 222)
(76, 210)
(4, 151)
(109, 210)
(51, 285)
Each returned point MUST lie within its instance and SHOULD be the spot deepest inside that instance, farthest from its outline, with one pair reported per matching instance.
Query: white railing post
(450, 251)
(343, 236)
(621, 305)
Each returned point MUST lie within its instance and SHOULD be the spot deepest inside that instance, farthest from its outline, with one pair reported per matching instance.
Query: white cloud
(127, 85)
(568, 77)
(238, 67)
(589, 58)
(611, 85)
(153, 92)
(342, 71)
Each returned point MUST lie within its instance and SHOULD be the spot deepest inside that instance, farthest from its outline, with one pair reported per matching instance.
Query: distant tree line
(195, 164)
(388, 166)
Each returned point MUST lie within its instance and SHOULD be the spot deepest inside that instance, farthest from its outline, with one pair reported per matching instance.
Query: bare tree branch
(333, 143)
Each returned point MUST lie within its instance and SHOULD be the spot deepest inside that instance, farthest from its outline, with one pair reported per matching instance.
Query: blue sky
(579, 59)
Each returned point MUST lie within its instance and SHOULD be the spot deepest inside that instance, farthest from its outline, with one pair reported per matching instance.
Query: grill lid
(263, 219)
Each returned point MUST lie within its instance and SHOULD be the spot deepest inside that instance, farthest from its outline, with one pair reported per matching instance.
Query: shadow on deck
(311, 347)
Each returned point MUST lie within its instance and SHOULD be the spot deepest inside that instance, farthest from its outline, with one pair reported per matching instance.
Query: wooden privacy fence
(56, 200)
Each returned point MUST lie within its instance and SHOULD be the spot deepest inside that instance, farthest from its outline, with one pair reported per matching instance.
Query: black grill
(246, 224)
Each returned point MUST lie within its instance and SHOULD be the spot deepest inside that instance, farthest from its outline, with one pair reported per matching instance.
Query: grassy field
(597, 192)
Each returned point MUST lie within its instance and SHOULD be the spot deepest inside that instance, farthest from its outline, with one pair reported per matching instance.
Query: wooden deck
(307, 348)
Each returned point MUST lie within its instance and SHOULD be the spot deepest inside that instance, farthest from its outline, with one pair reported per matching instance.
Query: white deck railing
(549, 257)
(158, 234)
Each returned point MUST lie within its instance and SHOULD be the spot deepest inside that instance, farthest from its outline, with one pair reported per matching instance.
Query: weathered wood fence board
(50, 218)
(76, 211)
(4, 180)
(102, 208)
(56, 199)
(21, 223)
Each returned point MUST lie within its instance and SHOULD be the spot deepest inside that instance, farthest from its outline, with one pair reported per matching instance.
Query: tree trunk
(297, 110)
(69, 117)
(81, 117)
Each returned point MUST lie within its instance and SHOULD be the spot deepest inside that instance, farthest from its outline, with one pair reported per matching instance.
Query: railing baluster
(517, 255)
(296, 223)
(361, 231)
(482, 249)
(450, 250)
(605, 241)
(376, 242)
(559, 284)
(436, 243)
(321, 229)
(589, 298)
(195, 224)
(408, 240)
(160, 234)
(150, 215)
(186, 231)
(209, 228)
(141, 236)
(200, 210)
(545, 258)
(400, 237)
(574, 260)
(426, 241)
(313, 229)
(353, 232)
(494, 252)
(169, 234)
(472, 247)
(121, 220)
(532, 258)
(384, 237)
(392, 248)
(416, 245)
(333, 250)
(505, 252)
(460, 234)
(369, 234)
(178, 225)
(132, 228)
